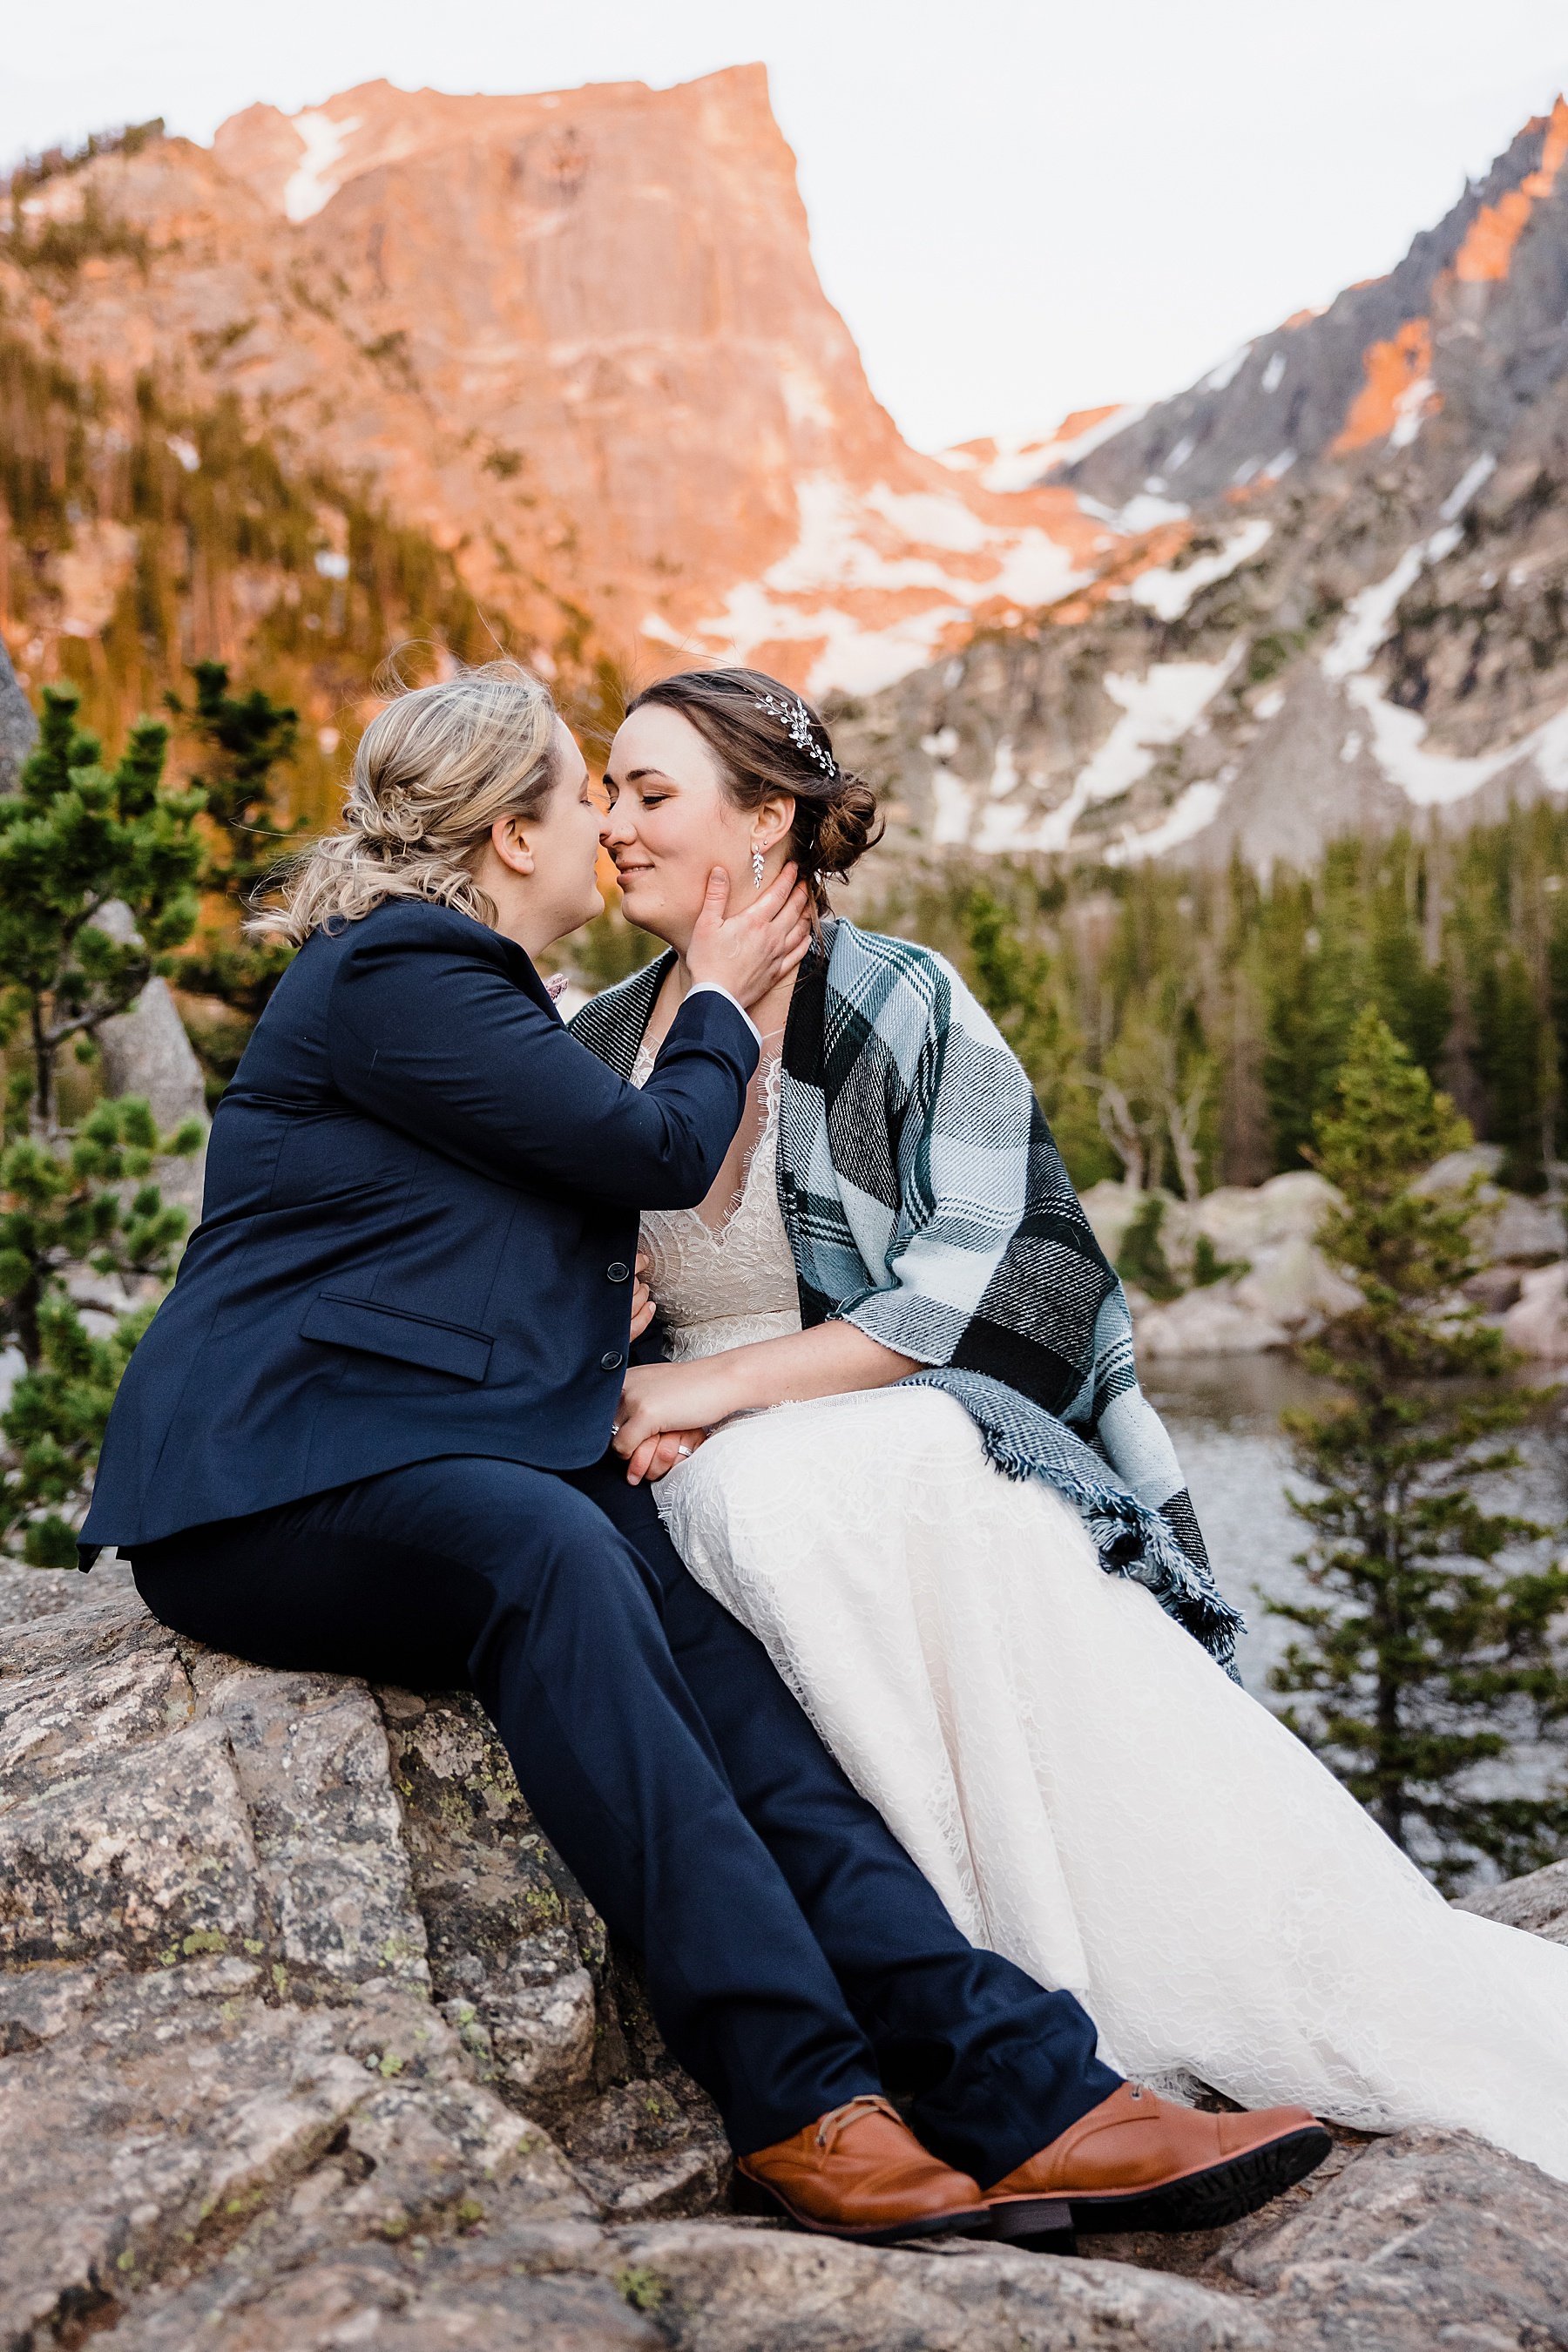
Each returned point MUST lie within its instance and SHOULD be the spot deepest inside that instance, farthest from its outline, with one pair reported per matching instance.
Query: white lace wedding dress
(1086, 1789)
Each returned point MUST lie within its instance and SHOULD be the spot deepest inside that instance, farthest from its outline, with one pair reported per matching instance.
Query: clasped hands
(666, 1409)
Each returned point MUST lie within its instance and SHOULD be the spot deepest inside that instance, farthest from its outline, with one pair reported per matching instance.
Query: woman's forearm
(834, 1360)
(831, 1360)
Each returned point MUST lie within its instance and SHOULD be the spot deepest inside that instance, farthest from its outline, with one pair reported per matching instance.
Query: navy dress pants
(795, 1956)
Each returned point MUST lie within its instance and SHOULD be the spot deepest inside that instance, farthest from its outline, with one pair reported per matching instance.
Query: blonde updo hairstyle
(433, 773)
(736, 712)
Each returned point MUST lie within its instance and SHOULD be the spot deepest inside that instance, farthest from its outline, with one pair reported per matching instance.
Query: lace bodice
(720, 1287)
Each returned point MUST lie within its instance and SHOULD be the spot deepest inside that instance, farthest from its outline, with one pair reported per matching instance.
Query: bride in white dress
(1088, 1792)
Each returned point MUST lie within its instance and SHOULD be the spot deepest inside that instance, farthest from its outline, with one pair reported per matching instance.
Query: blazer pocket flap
(410, 1338)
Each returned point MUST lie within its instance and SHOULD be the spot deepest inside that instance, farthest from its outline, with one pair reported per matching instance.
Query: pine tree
(77, 839)
(243, 740)
(68, 1208)
(1429, 1654)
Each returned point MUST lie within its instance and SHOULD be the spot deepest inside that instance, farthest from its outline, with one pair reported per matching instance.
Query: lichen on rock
(308, 2039)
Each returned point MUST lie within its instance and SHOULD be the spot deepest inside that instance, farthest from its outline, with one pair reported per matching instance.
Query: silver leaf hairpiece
(795, 720)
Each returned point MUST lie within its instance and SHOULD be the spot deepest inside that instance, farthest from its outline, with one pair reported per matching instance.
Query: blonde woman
(368, 1432)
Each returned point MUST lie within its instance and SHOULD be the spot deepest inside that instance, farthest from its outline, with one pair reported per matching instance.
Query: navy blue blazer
(419, 1229)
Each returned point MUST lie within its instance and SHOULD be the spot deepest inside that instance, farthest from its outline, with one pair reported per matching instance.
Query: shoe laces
(839, 2119)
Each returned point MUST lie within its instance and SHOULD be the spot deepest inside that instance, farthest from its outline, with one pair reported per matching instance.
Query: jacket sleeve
(442, 1043)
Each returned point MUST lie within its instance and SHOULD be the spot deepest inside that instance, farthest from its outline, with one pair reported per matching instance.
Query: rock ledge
(307, 2041)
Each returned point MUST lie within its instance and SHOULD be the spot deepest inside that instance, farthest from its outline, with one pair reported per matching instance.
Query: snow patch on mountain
(1197, 807)
(1433, 779)
(857, 550)
(1473, 480)
(1017, 462)
(1157, 710)
(311, 185)
(1369, 614)
(1398, 735)
(1168, 592)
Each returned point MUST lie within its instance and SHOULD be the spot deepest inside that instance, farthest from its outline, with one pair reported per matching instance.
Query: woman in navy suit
(368, 1432)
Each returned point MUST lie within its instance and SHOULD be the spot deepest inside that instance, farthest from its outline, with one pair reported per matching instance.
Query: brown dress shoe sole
(1195, 2201)
(749, 2196)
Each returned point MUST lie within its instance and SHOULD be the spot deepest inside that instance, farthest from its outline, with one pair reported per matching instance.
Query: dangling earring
(756, 867)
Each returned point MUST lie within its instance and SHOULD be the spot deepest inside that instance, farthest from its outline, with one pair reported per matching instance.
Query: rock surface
(1356, 614)
(18, 727)
(307, 2041)
(1538, 1901)
(1537, 1324)
(146, 1051)
(1277, 1287)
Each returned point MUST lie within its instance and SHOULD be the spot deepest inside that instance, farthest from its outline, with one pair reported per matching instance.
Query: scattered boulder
(1538, 1325)
(1241, 1220)
(1209, 1322)
(308, 2039)
(1521, 1229)
(1482, 1161)
(1514, 1227)
(1238, 1221)
(146, 1051)
(1538, 1901)
(1288, 1292)
(1276, 1288)
(1495, 1288)
(1292, 1283)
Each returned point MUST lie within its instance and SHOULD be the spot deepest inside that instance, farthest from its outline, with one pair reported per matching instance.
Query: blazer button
(617, 1273)
(611, 1361)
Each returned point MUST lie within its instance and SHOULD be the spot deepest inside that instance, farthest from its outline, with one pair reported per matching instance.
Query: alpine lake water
(1223, 1414)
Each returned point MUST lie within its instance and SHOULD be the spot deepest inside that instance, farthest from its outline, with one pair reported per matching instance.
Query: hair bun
(848, 825)
(392, 820)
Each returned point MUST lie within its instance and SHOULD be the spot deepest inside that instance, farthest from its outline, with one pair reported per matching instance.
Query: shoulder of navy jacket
(399, 923)
(427, 919)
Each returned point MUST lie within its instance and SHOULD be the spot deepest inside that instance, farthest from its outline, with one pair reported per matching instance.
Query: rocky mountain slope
(575, 339)
(1357, 615)
(307, 2041)
(559, 367)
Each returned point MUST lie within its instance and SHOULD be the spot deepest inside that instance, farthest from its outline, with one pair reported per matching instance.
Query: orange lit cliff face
(1372, 373)
(1489, 244)
(1398, 391)
(579, 340)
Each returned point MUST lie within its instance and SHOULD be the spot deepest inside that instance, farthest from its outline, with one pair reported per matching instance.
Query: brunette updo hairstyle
(836, 819)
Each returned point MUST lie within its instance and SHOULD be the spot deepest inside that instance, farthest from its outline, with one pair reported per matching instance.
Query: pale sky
(1021, 206)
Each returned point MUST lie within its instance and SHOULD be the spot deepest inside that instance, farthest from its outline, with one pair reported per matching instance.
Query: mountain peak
(577, 337)
(1361, 612)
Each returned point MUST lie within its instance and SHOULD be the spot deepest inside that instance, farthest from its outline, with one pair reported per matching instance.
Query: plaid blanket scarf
(926, 1203)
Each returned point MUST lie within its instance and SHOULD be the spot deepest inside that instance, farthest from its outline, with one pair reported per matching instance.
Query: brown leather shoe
(1139, 2162)
(860, 2172)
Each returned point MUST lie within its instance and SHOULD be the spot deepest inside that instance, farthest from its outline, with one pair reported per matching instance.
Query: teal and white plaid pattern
(927, 1203)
